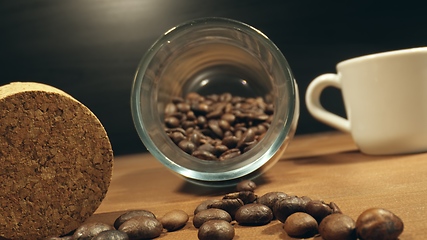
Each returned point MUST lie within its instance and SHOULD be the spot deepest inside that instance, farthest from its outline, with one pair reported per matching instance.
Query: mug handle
(312, 99)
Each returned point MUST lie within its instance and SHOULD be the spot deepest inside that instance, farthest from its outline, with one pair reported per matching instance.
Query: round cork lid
(55, 162)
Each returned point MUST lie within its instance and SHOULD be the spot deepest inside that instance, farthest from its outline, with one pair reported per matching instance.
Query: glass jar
(214, 56)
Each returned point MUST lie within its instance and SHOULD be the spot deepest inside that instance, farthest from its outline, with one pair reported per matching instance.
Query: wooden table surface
(324, 166)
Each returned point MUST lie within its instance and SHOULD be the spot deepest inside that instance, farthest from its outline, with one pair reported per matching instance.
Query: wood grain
(324, 166)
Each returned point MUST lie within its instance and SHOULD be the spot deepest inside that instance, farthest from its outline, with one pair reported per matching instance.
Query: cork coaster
(55, 162)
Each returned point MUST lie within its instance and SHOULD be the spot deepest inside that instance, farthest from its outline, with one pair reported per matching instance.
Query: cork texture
(55, 162)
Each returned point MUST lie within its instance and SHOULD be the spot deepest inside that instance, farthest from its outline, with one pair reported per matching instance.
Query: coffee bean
(379, 224)
(229, 117)
(205, 155)
(210, 214)
(226, 120)
(187, 146)
(216, 129)
(111, 235)
(300, 225)
(228, 205)
(230, 153)
(245, 196)
(230, 141)
(130, 214)
(216, 229)
(254, 214)
(269, 199)
(183, 107)
(174, 220)
(285, 207)
(89, 230)
(172, 122)
(170, 109)
(142, 227)
(204, 205)
(318, 209)
(176, 137)
(246, 185)
(207, 147)
(337, 226)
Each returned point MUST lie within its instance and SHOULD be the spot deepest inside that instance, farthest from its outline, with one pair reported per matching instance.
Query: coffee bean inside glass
(214, 56)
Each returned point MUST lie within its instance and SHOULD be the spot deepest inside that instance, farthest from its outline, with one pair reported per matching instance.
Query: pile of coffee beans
(218, 126)
(302, 217)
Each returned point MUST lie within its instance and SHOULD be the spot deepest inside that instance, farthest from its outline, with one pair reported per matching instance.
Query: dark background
(91, 49)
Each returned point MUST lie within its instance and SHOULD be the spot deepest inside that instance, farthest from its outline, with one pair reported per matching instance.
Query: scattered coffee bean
(285, 207)
(232, 125)
(130, 214)
(378, 224)
(210, 214)
(142, 227)
(245, 196)
(300, 225)
(89, 230)
(174, 220)
(228, 205)
(269, 199)
(318, 209)
(204, 205)
(111, 235)
(337, 226)
(254, 214)
(246, 185)
(216, 229)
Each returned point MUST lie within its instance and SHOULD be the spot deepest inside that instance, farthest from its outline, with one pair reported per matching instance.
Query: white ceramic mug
(385, 97)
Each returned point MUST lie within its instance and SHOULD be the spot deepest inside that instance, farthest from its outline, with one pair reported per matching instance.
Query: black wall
(91, 49)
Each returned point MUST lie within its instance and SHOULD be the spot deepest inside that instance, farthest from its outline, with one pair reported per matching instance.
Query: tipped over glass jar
(214, 60)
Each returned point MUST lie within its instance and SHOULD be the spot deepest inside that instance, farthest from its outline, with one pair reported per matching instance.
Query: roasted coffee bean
(269, 199)
(170, 109)
(230, 141)
(204, 155)
(245, 196)
(237, 123)
(285, 207)
(195, 138)
(318, 209)
(142, 227)
(305, 200)
(130, 214)
(172, 122)
(174, 220)
(337, 226)
(248, 136)
(229, 117)
(204, 205)
(207, 147)
(254, 214)
(250, 145)
(300, 225)
(246, 185)
(210, 214)
(187, 146)
(378, 224)
(220, 149)
(216, 229)
(89, 230)
(216, 129)
(177, 137)
(230, 153)
(111, 235)
(183, 107)
(228, 205)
